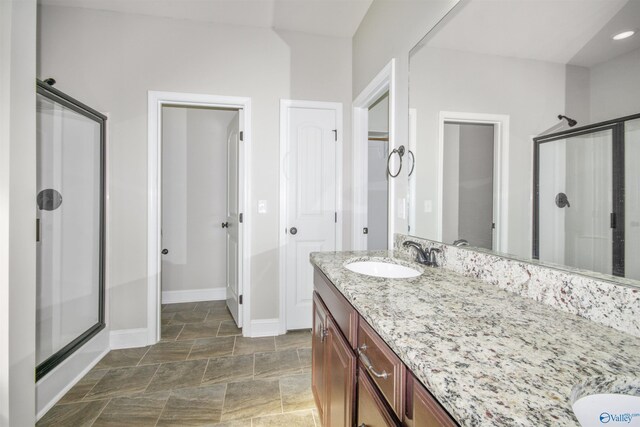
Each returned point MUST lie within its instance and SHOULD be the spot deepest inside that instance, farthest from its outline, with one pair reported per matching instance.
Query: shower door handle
(165, 251)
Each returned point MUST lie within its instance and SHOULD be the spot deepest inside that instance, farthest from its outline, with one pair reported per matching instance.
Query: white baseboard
(211, 294)
(128, 338)
(265, 327)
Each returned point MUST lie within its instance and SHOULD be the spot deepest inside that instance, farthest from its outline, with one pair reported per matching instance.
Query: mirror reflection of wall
(521, 65)
(378, 184)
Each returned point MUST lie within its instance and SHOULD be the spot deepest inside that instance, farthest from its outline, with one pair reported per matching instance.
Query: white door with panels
(233, 218)
(310, 154)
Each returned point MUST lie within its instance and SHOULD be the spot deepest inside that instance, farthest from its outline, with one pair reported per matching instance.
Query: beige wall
(110, 60)
(17, 212)
(389, 30)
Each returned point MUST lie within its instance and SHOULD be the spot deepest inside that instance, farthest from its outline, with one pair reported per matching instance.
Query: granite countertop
(490, 357)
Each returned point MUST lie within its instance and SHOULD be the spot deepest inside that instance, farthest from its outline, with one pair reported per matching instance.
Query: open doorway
(468, 187)
(198, 181)
(200, 217)
(373, 194)
(377, 178)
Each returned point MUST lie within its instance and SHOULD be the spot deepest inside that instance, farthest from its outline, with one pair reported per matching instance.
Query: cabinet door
(372, 412)
(318, 346)
(341, 379)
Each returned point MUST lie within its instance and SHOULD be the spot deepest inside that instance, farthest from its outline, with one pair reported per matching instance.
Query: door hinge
(365, 230)
(493, 225)
(240, 299)
(613, 220)
(336, 217)
(335, 135)
(241, 218)
(37, 229)
(241, 136)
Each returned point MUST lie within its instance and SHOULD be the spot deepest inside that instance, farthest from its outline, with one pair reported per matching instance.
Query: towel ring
(413, 162)
(400, 152)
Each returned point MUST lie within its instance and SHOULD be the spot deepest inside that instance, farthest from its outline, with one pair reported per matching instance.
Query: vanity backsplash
(612, 304)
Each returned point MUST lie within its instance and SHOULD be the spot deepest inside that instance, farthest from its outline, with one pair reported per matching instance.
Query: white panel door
(232, 223)
(310, 172)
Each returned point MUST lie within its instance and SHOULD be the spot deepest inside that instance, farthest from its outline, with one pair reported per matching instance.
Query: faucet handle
(433, 260)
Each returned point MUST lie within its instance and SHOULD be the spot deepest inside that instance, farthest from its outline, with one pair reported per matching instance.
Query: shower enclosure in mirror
(498, 85)
(70, 226)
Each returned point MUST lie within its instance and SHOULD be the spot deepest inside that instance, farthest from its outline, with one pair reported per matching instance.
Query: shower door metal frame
(63, 99)
(618, 183)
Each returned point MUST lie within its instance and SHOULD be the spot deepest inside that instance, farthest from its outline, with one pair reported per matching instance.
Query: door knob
(293, 231)
(225, 225)
(165, 251)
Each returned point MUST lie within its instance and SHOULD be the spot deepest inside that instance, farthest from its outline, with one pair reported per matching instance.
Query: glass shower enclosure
(70, 226)
(587, 197)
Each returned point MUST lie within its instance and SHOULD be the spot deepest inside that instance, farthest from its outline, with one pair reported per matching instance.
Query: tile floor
(203, 372)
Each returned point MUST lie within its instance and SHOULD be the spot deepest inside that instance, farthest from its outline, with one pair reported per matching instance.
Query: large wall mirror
(524, 120)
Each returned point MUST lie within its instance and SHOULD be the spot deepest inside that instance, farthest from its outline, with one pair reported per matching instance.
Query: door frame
(382, 83)
(285, 105)
(500, 170)
(156, 100)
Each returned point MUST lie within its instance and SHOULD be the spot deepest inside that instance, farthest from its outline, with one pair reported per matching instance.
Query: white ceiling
(544, 30)
(338, 18)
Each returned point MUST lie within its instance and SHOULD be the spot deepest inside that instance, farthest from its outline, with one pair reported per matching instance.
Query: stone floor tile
(170, 351)
(170, 332)
(296, 392)
(291, 419)
(305, 357)
(141, 409)
(205, 348)
(227, 328)
(194, 406)
(122, 381)
(294, 339)
(251, 399)
(277, 364)
(229, 369)
(182, 306)
(78, 414)
(183, 317)
(84, 386)
(122, 358)
(246, 345)
(174, 375)
(193, 331)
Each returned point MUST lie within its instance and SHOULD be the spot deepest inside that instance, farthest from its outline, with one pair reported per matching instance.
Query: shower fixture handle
(165, 251)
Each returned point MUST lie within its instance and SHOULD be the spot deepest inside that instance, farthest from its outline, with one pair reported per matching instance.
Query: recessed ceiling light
(624, 35)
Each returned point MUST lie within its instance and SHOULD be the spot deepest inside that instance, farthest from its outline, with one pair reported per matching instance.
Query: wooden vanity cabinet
(372, 411)
(422, 409)
(333, 369)
(393, 398)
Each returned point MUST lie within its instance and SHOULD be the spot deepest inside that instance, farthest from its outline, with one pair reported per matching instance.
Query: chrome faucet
(426, 256)
(460, 242)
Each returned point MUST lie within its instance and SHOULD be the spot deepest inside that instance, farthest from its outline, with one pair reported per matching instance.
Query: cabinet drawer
(345, 316)
(372, 411)
(384, 367)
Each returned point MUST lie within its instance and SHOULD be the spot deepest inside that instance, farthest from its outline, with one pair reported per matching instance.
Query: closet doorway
(197, 152)
(377, 228)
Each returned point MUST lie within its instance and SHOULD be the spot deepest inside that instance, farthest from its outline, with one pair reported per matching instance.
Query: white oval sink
(382, 269)
(609, 402)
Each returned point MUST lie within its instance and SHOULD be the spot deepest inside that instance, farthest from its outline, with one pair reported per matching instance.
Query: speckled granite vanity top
(490, 357)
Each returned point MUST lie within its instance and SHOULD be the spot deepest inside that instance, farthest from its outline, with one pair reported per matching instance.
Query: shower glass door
(70, 229)
(579, 216)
